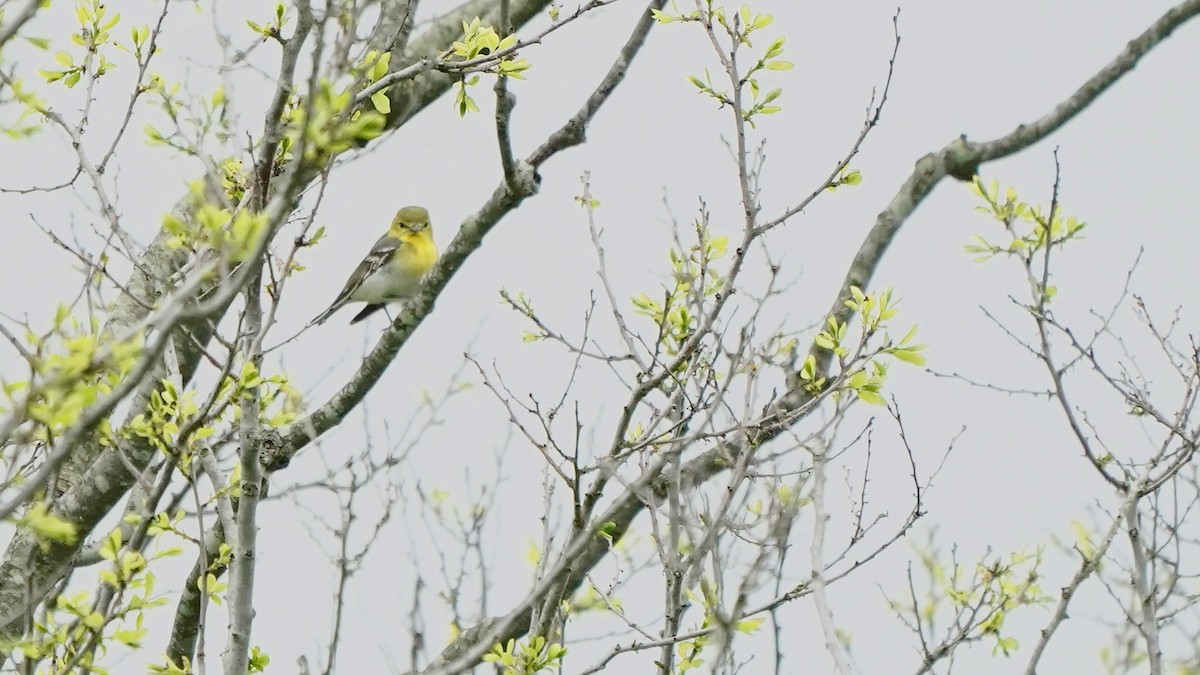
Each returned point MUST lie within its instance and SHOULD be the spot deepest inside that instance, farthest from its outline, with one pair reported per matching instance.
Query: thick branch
(98, 476)
(507, 196)
(186, 625)
(959, 159)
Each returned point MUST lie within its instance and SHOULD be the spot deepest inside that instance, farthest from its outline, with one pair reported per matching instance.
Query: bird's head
(411, 220)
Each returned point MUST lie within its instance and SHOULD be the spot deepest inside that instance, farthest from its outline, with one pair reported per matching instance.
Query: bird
(393, 269)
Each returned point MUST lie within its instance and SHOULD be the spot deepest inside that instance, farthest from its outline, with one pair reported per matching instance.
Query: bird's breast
(422, 253)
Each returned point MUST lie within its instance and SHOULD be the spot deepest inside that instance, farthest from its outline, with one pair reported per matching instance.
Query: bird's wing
(380, 254)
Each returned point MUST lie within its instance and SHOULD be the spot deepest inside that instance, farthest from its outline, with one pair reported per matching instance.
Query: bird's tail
(367, 311)
(323, 316)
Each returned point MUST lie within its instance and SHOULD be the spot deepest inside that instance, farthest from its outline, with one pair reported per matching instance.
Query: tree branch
(97, 475)
(27, 12)
(506, 197)
(959, 159)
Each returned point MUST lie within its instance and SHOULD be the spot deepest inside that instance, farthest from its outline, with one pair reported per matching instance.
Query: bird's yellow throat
(419, 251)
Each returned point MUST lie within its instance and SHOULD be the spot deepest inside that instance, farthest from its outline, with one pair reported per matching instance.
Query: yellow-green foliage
(1027, 226)
(373, 67)
(694, 279)
(334, 127)
(72, 370)
(974, 600)
(46, 527)
(479, 42)
(215, 225)
(1028, 231)
(526, 657)
(168, 412)
(690, 651)
(271, 30)
(78, 621)
(738, 27)
(94, 32)
(32, 108)
(862, 370)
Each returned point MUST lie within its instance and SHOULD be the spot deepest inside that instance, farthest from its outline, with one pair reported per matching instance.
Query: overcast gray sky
(1016, 479)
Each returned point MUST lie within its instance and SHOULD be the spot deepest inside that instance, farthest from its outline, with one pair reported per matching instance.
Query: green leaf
(662, 17)
(909, 356)
(514, 68)
(749, 625)
(1006, 645)
(259, 660)
(153, 136)
(46, 527)
(857, 380)
(130, 638)
(381, 66)
(381, 102)
(111, 545)
(870, 397)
